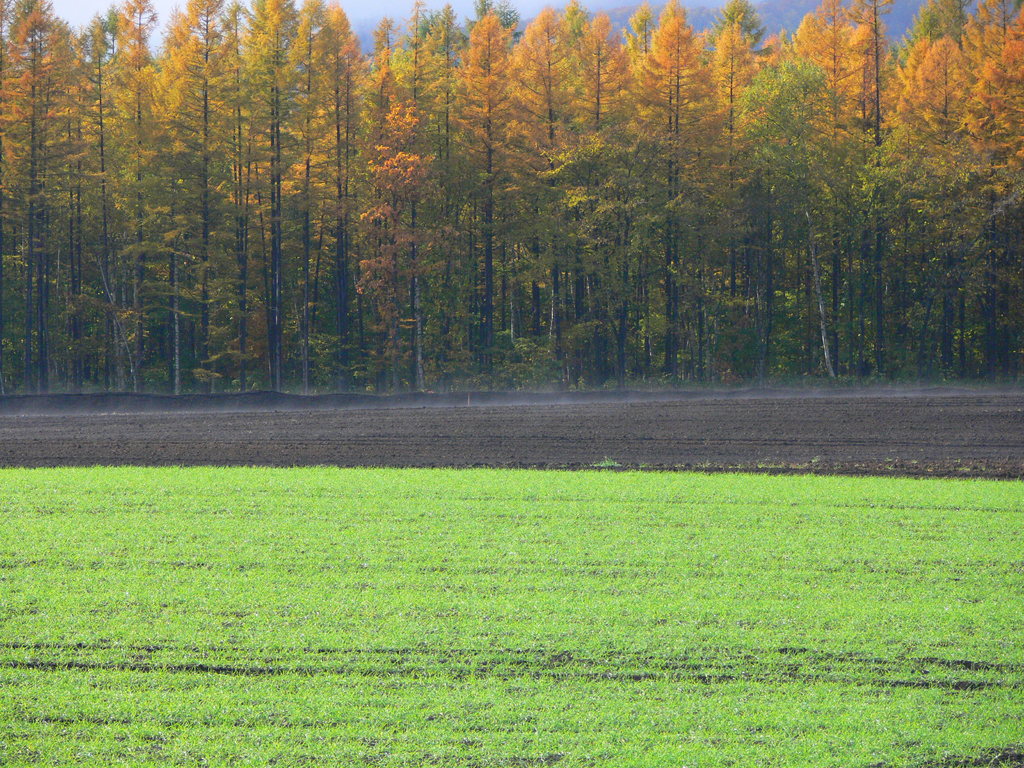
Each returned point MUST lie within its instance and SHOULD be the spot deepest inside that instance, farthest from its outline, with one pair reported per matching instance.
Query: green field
(507, 618)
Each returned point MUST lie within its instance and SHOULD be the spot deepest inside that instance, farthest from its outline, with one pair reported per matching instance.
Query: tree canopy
(243, 198)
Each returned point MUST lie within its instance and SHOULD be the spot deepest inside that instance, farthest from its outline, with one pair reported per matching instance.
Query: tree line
(250, 201)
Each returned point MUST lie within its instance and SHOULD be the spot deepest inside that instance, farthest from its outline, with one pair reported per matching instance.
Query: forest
(239, 197)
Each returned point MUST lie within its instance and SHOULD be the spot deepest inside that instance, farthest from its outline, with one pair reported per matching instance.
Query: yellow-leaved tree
(344, 69)
(135, 128)
(485, 114)
(190, 93)
(267, 51)
(674, 94)
(36, 101)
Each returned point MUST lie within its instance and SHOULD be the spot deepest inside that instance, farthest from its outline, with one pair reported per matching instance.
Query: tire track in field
(723, 666)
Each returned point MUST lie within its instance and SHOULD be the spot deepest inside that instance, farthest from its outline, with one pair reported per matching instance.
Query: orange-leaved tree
(397, 176)
(673, 91)
(485, 114)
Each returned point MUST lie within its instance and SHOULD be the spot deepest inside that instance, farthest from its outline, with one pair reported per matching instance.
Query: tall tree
(98, 52)
(554, 204)
(675, 92)
(740, 14)
(35, 96)
(485, 115)
(397, 174)
(639, 33)
(444, 43)
(193, 97)
(543, 101)
(413, 72)
(871, 38)
(268, 48)
(826, 38)
(932, 138)
(603, 72)
(344, 70)
(5, 31)
(733, 67)
(787, 128)
(237, 104)
(311, 87)
(135, 125)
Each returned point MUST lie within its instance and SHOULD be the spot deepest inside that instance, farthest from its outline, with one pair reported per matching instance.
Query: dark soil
(898, 432)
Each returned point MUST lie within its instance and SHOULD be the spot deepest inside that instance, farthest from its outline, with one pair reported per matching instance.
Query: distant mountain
(776, 15)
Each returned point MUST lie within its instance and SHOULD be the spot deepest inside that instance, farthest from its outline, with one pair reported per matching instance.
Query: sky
(79, 12)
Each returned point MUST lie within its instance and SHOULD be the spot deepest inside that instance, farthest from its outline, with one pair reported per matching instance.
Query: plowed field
(950, 433)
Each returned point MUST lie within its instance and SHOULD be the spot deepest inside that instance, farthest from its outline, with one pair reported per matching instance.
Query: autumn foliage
(243, 198)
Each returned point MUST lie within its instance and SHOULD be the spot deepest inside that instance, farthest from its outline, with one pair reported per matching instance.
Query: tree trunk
(487, 303)
(417, 313)
(816, 269)
(175, 326)
(276, 336)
